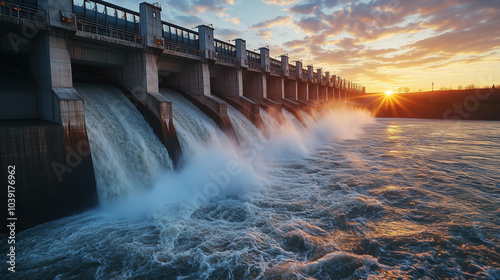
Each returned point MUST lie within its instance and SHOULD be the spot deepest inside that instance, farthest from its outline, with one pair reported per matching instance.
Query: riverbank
(477, 104)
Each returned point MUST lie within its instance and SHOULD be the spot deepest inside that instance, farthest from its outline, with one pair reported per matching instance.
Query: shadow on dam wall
(54, 175)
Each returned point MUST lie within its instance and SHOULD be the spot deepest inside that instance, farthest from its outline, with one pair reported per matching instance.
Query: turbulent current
(346, 197)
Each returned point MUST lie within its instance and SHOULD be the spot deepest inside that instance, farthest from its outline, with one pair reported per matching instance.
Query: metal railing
(226, 52)
(276, 67)
(180, 35)
(180, 39)
(292, 70)
(21, 11)
(225, 48)
(254, 60)
(221, 57)
(182, 48)
(103, 13)
(107, 30)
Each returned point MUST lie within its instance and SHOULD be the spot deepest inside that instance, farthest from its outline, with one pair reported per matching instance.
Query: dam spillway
(48, 46)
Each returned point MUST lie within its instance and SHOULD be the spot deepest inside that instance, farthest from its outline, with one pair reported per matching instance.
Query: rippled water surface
(404, 198)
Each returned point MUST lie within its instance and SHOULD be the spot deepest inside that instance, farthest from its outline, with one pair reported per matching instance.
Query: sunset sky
(383, 44)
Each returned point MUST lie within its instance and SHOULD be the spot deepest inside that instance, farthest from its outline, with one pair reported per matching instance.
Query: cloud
(266, 34)
(226, 17)
(311, 25)
(295, 43)
(281, 2)
(227, 34)
(280, 20)
(431, 34)
(263, 28)
(188, 21)
(197, 7)
(373, 39)
(304, 9)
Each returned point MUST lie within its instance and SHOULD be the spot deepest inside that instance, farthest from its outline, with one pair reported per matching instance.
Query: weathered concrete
(291, 89)
(303, 91)
(18, 93)
(207, 42)
(151, 26)
(227, 80)
(322, 96)
(241, 53)
(330, 94)
(265, 60)
(37, 151)
(294, 108)
(227, 84)
(275, 88)
(254, 85)
(313, 92)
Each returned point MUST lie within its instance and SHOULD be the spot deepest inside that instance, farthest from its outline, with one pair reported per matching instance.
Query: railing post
(327, 78)
(310, 70)
(265, 60)
(298, 68)
(284, 65)
(206, 36)
(241, 53)
(151, 26)
(319, 76)
(55, 9)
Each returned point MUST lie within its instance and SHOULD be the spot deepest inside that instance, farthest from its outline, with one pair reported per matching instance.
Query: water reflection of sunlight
(393, 131)
(396, 228)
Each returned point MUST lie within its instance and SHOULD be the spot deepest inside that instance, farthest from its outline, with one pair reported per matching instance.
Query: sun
(388, 92)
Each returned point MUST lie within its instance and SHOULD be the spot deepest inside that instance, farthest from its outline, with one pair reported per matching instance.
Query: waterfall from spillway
(194, 129)
(132, 164)
(127, 155)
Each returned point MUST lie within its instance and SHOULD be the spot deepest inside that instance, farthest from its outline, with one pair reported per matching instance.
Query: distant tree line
(460, 87)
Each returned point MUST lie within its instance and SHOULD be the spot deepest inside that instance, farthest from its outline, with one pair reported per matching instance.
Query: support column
(328, 96)
(59, 103)
(140, 72)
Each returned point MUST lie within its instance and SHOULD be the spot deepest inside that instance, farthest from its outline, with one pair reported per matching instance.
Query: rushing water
(347, 197)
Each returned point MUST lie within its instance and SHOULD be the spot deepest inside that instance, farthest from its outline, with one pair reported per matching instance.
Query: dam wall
(47, 45)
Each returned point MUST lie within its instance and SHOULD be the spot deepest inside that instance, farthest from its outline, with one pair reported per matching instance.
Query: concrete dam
(74, 71)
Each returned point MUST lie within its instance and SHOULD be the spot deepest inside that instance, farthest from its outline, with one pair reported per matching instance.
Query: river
(346, 197)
